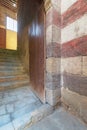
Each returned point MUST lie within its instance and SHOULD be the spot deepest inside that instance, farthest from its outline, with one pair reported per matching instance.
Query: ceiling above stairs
(10, 4)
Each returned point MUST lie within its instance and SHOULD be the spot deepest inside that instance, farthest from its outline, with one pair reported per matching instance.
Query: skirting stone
(76, 102)
(42, 112)
(75, 83)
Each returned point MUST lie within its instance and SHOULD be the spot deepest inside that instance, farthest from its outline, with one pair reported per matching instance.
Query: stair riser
(2, 88)
(9, 73)
(10, 64)
(13, 79)
(4, 68)
(11, 61)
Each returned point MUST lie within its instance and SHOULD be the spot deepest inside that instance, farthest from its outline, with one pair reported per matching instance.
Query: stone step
(10, 63)
(60, 120)
(26, 109)
(18, 68)
(16, 115)
(9, 57)
(14, 78)
(32, 117)
(8, 52)
(11, 72)
(11, 85)
(28, 119)
(6, 56)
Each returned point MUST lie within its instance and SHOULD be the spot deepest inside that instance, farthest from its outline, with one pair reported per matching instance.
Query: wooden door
(36, 53)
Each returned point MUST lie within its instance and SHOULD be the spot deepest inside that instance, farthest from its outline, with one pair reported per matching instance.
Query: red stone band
(74, 12)
(76, 47)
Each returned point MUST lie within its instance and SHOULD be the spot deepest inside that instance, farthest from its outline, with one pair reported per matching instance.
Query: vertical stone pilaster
(53, 56)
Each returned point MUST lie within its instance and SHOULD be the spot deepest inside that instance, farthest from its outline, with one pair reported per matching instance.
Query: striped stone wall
(66, 54)
(74, 55)
(53, 56)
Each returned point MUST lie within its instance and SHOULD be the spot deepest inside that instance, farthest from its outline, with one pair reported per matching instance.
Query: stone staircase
(12, 73)
(19, 107)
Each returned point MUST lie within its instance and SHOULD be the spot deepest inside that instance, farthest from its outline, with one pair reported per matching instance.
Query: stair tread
(13, 76)
(11, 68)
(10, 63)
(26, 109)
(13, 82)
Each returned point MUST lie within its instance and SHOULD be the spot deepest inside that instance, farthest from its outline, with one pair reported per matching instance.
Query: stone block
(49, 16)
(52, 77)
(72, 65)
(42, 112)
(53, 96)
(52, 81)
(49, 35)
(56, 34)
(84, 67)
(75, 83)
(53, 50)
(54, 16)
(53, 65)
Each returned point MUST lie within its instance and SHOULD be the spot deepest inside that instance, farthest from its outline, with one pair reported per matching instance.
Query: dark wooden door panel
(2, 38)
(36, 47)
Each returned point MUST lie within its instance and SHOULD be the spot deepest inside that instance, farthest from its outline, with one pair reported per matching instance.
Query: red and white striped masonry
(74, 28)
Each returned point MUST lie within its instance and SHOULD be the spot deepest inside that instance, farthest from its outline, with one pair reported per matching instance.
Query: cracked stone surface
(14, 104)
(60, 120)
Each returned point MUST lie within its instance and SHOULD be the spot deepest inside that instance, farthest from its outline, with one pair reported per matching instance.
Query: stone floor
(14, 104)
(17, 105)
(59, 120)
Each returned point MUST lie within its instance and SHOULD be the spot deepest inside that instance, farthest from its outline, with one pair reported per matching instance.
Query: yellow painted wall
(11, 40)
